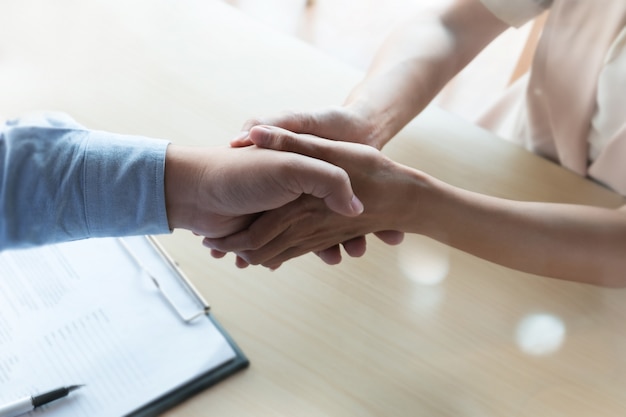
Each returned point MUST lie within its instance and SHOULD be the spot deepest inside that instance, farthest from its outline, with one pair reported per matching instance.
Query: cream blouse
(571, 107)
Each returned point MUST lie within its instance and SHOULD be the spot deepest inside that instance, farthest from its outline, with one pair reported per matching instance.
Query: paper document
(85, 313)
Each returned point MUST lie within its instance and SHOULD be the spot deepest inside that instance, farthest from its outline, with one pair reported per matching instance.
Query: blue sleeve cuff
(60, 182)
(124, 185)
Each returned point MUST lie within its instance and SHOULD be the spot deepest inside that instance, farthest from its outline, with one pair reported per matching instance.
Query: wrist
(418, 212)
(379, 123)
(179, 180)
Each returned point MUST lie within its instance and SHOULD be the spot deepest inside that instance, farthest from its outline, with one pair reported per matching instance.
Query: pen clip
(205, 307)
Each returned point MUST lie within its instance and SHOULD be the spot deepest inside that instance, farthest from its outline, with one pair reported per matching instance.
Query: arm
(572, 242)
(415, 62)
(60, 181)
(413, 65)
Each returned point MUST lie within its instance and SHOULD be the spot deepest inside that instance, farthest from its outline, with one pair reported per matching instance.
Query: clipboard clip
(205, 307)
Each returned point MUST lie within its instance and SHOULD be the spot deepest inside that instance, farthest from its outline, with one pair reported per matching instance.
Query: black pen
(27, 404)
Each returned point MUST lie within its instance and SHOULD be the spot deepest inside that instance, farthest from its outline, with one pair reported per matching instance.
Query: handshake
(275, 194)
(300, 183)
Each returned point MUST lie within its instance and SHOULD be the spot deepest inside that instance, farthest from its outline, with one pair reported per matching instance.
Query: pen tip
(74, 387)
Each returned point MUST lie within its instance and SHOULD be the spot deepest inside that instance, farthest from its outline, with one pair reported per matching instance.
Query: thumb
(298, 122)
(322, 179)
(327, 182)
(278, 139)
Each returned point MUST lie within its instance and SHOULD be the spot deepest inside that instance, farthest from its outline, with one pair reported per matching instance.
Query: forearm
(417, 61)
(60, 181)
(572, 242)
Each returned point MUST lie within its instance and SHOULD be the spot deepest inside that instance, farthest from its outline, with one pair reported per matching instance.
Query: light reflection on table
(540, 334)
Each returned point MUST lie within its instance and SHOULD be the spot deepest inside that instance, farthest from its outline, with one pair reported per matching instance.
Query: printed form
(85, 312)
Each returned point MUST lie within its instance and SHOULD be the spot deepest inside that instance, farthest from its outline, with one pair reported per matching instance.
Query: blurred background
(352, 31)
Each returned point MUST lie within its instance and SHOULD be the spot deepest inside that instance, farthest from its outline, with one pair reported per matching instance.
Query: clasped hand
(306, 224)
(215, 192)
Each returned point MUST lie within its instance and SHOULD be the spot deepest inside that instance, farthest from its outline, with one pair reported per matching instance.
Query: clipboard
(202, 382)
(120, 315)
(196, 385)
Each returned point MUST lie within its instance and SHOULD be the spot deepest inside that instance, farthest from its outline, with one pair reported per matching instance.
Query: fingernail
(261, 136)
(356, 205)
(264, 129)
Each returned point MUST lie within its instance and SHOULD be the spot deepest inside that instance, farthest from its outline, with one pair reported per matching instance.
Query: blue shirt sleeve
(60, 182)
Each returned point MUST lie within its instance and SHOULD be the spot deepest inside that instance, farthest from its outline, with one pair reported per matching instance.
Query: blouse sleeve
(517, 12)
(60, 182)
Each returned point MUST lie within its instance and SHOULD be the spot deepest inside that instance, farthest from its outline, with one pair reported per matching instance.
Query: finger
(263, 230)
(241, 140)
(390, 237)
(295, 122)
(327, 182)
(270, 255)
(355, 247)
(335, 152)
(238, 242)
(317, 178)
(331, 256)
(217, 254)
(241, 263)
(283, 140)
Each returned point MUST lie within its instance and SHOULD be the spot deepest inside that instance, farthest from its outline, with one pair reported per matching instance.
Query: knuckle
(339, 175)
(255, 243)
(250, 123)
(288, 115)
(291, 169)
(252, 242)
(243, 255)
(252, 258)
(308, 122)
(299, 122)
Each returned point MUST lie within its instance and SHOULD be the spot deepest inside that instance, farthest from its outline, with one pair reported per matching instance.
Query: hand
(215, 192)
(336, 123)
(305, 225)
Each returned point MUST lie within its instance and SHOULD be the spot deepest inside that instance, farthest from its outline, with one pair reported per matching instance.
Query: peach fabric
(556, 103)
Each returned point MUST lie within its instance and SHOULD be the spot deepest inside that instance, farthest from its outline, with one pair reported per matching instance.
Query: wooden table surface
(414, 330)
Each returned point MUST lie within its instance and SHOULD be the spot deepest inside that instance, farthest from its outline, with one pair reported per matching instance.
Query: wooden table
(417, 329)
